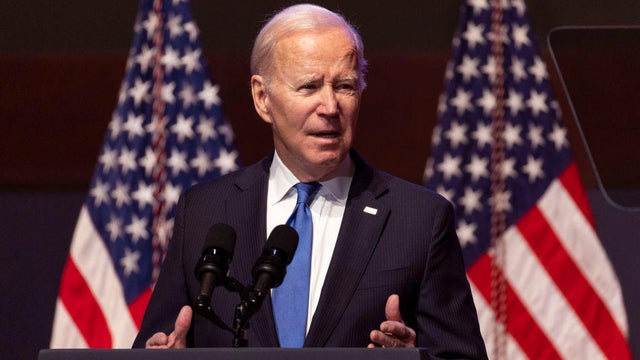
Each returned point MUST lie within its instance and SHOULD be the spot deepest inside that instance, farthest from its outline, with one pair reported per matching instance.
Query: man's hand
(393, 332)
(178, 338)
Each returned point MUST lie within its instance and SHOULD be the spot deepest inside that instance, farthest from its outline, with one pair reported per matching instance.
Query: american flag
(542, 283)
(167, 132)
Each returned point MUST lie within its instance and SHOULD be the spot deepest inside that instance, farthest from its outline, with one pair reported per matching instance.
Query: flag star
(127, 160)
(509, 168)
(520, 35)
(537, 102)
(187, 95)
(172, 194)
(428, 170)
(174, 24)
(183, 128)
(519, 6)
(466, 233)
(477, 167)
(144, 58)
(559, 136)
(170, 59)
(206, 129)
(457, 134)
(108, 159)
(500, 36)
(515, 102)
(100, 192)
(140, 91)
(533, 168)
(122, 93)
(474, 34)
(121, 194)
(462, 101)
(167, 92)
(202, 163)
(129, 262)
(448, 71)
(469, 68)
(133, 125)
(442, 104)
(478, 6)
(449, 167)
(164, 231)
(144, 194)
(490, 69)
(148, 161)
(137, 229)
(157, 126)
(512, 135)
(150, 24)
(114, 228)
(539, 70)
(436, 136)
(115, 126)
(191, 28)
(209, 94)
(226, 161)
(448, 194)
(227, 132)
(517, 69)
(535, 136)
(502, 201)
(191, 61)
(487, 102)
(482, 135)
(178, 162)
(471, 200)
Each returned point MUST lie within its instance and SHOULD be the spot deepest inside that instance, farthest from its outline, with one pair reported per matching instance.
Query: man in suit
(386, 267)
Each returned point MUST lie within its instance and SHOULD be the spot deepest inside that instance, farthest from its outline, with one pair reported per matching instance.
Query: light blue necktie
(291, 299)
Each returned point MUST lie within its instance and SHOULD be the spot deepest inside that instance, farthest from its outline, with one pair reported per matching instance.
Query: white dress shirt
(327, 208)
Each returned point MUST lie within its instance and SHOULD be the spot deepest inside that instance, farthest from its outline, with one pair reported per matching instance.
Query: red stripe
(570, 179)
(520, 324)
(139, 305)
(575, 287)
(83, 308)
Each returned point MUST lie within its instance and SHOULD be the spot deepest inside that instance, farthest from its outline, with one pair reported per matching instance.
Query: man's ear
(260, 97)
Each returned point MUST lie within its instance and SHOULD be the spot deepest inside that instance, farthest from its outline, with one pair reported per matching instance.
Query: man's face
(312, 101)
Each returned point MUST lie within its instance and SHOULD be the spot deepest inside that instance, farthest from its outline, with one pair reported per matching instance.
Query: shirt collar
(282, 180)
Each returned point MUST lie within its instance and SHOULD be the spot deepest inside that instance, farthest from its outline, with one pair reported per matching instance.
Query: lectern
(234, 354)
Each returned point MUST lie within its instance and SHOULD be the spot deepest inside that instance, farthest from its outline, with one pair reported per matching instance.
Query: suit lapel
(363, 222)
(249, 221)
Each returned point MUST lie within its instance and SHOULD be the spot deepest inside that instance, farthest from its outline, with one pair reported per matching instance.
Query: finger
(397, 329)
(178, 338)
(157, 340)
(392, 309)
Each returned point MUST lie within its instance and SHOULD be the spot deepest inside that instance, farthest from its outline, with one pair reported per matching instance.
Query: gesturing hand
(178, 338)
(393, 332)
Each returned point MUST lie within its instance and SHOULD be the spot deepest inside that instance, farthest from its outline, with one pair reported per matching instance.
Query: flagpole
(498, 214)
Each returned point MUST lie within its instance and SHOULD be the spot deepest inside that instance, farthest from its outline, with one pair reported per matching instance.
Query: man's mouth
(326, 134)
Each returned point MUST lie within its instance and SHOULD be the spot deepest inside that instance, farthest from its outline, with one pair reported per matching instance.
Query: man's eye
(308, 87)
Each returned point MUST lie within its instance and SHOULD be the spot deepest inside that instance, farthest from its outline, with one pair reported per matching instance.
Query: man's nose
(328, 101)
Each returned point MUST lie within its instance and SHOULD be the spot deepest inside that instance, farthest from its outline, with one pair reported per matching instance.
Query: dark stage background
(61, 64)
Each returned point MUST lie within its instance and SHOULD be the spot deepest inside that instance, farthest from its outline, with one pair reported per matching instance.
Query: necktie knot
(306, 191)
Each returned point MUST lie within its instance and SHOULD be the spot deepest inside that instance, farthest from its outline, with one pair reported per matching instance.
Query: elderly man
(386, 267)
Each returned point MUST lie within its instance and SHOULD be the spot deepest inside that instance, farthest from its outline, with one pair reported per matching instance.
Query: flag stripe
(574, 286)
(582, 244)
(486, 317)
(65, 333)
(95, 263)
(542, 297)
(138, 306)
(83, 308)
(520, 324)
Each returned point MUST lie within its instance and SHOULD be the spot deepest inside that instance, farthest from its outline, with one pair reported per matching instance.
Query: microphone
(213, 267)
(268, 271)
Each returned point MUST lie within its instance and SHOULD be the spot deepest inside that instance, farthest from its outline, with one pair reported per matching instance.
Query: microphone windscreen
(221, 236)
(283, 238)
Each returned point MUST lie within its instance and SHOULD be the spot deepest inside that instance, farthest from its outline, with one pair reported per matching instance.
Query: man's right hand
(178, 338)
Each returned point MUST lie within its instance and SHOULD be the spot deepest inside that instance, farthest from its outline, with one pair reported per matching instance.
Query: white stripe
(545, 302)
(94, 262)
(65, 333)
(486, 317)
(582, 243)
